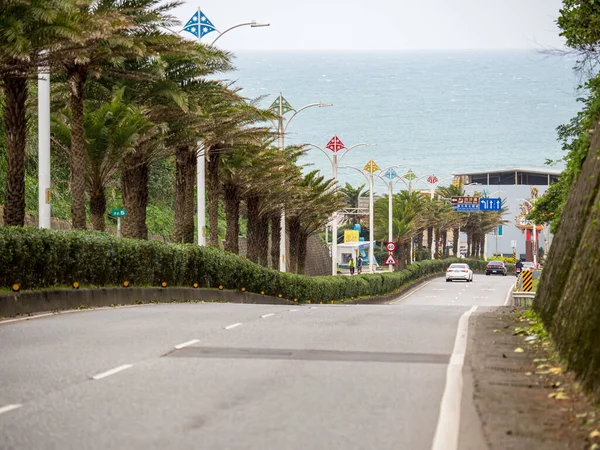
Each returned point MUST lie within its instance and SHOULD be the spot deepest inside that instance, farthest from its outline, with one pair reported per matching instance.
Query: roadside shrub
(38, 258)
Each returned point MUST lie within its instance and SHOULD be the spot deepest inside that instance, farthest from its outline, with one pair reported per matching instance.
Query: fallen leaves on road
(519, 350)
(594, 434)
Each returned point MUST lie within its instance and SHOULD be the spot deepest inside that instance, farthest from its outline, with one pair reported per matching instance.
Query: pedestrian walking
(351, 265)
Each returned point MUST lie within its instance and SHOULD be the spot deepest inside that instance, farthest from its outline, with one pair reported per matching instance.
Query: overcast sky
(382, 24)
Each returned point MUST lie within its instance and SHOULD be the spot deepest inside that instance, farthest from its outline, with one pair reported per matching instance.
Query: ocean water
(432, 112)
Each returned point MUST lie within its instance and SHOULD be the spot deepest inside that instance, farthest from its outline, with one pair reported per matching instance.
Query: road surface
(230, 376)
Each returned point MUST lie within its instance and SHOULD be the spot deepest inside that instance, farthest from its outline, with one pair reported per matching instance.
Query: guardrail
(524, 299)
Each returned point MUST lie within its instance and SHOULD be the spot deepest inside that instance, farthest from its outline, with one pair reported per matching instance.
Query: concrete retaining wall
(26, 303)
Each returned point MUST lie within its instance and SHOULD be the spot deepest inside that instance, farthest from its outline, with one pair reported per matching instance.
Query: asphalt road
(244, 377)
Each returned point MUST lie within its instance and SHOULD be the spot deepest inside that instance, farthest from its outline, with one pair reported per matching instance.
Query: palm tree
(111, 131)
(29, 32)
(352, 196)
(115, 32)
(454, 190)
(407, 221)
(315, 200)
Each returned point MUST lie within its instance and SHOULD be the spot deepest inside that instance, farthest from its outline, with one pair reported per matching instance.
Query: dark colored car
(496, 267)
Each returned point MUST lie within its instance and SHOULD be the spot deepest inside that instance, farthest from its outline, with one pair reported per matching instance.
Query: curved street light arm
(362, 144)
(252, 24)
(358, 170)
(320, 148)
(404, 181)
(320, 105)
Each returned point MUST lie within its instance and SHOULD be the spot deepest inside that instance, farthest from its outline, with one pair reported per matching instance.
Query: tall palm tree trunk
(444, 242)
(77, 79)
(263, 236)
(98, 207)
(134, 185)
(302, 251)
(252, 208)
(190, 199)
(213, 196)
(15, 123)
(455, 238)
(275, 240)
(294, 232)
(430, 242)
(180, 192)
(185, 175)
(231, 198)
(420, 246)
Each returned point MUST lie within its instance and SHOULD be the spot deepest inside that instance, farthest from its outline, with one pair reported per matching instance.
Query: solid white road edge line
(267, 315)
(8, 408)
(508, 294)
(233, 325)
(446, 432)
(111, 371)
(412, 292)
(185, 344)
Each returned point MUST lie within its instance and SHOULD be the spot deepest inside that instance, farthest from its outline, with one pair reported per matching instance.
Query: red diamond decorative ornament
(335, 145)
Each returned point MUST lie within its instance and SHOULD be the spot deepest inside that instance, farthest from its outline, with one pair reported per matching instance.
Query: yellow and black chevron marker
(439, 256)
(527, 281)
(514, 257)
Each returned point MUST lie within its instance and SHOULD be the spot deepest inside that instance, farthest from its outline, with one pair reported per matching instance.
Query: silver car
(459, 271)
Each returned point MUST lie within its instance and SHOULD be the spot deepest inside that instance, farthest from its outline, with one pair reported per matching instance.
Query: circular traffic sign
(390, 246)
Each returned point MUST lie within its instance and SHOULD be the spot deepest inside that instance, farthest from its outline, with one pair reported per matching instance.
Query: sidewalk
(523, 399)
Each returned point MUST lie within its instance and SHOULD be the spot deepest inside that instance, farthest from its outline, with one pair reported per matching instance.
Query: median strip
(8, 408)
(111, 372)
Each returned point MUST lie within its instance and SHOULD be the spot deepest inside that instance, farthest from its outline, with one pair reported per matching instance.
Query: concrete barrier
(31, 302)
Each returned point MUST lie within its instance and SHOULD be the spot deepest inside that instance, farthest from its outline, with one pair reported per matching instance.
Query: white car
(459, 272)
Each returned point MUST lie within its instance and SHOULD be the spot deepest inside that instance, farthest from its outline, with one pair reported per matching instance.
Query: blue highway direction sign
(490, 204)
(466, 208)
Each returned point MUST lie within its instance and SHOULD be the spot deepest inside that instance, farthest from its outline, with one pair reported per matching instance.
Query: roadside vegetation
(38, 258)
(568, 298)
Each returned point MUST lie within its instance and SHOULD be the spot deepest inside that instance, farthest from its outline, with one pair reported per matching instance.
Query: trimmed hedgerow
(37, 258)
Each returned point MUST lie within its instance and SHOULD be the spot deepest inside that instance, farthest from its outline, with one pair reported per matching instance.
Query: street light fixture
(280, 107)
(336, 145)
(252, 24)
(199, 25)
(390, 174)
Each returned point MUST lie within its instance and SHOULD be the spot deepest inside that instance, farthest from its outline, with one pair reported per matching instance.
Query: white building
(512, 185)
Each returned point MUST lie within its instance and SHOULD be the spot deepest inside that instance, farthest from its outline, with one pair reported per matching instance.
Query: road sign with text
(118, 212)
(390, 246)
(466, 208)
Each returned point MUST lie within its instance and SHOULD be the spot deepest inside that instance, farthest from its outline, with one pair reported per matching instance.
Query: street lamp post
(280, 107)
(199, 25)
(390, 174)
(371, 167)
(336, 145)
(44, 148)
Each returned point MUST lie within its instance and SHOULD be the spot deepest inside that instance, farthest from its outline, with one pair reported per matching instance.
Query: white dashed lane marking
(8, 408)
(185, 344)
(112, 371)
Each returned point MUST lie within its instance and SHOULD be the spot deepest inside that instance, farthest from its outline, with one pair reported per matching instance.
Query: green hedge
(37, 258)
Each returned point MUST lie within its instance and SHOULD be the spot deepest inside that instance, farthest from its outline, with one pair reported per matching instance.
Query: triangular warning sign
(335, 145)
(390, 261)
